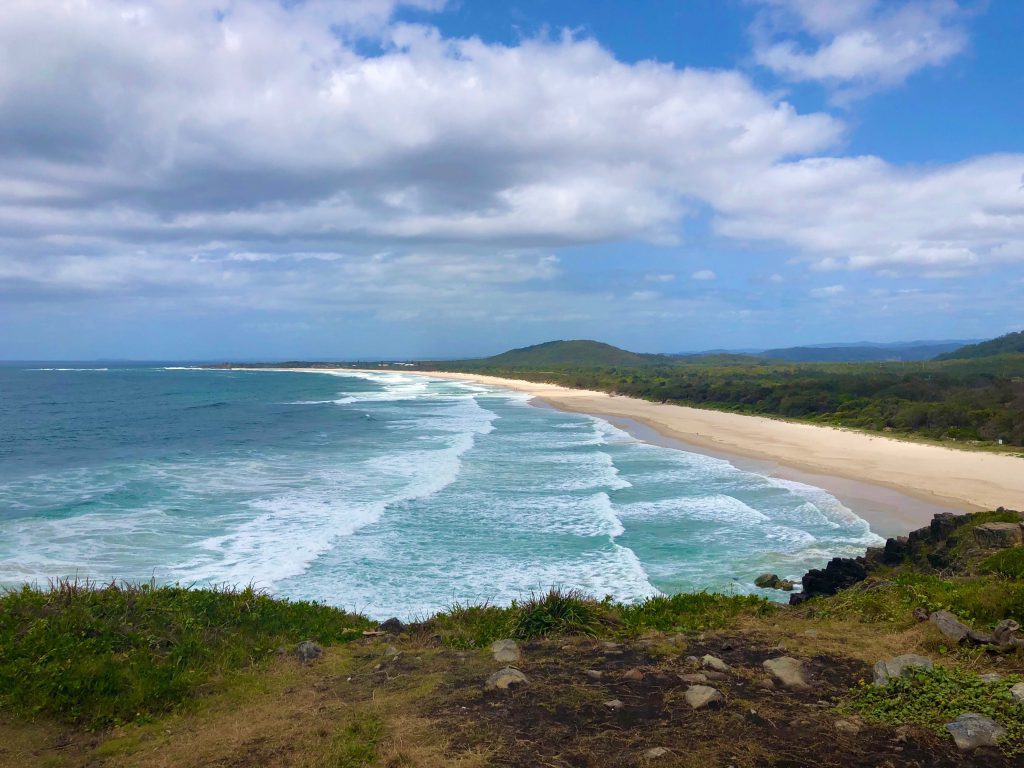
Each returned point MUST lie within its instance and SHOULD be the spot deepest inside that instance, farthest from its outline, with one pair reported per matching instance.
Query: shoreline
(942, 478)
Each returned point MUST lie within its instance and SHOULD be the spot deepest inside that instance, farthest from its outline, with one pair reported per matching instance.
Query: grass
(356, 744)
(982, 601)
(1009, 564)
(932, 698)
(569, 612)
(103, 655)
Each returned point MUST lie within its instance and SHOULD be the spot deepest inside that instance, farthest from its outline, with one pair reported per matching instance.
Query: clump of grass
(355, 746)
(102, 655)
(983, 601)
(561, 612)
(932, 698)
(570, 612)
(1009, 563)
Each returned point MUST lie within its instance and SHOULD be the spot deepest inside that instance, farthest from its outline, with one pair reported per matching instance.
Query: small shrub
(932, 698)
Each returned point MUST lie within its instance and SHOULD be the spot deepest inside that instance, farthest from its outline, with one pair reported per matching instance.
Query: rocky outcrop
(840, 573)
(950, 626)
(999, 535)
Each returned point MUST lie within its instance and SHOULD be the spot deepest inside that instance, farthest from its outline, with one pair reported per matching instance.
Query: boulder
(950, 626)
(999, 535)
(766, 581)
(714, 663)
(393, 626)
(1017, 692)
(614, 704)
(889, 669)
(786, 670)
(633, 675)
(972, 730)
(505, 651)
(594, 674)
(703, 697)
(506, 678)
(307, 652)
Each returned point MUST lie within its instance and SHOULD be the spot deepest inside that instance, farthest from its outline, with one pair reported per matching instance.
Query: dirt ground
(410, 702)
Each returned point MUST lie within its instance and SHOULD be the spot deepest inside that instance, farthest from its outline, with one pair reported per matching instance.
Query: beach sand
(894, 484)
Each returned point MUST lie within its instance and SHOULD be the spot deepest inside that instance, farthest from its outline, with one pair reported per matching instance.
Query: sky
(363, 179)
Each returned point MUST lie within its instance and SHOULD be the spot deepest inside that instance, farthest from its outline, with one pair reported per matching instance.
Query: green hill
(1011, 343)
(583, 353)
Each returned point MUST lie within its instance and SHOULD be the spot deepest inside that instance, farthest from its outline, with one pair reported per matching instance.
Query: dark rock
(393, 626)
(921, 614)
(841, 572)
(766, 581)
(896, 550)
(307, 652)
(943, 524)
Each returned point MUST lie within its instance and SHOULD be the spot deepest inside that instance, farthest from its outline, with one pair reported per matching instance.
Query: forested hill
(1011, 343)
(975, 399)
(569, 353)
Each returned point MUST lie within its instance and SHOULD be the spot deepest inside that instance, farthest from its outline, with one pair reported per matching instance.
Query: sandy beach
(948, 477)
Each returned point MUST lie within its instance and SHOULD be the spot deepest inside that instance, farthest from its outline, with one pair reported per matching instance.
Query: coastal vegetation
(148, 675)
(968, 396)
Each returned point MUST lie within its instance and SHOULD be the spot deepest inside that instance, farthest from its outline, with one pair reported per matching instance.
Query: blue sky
(380, 178)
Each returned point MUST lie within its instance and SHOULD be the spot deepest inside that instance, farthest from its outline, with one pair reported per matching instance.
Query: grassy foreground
(130, 675)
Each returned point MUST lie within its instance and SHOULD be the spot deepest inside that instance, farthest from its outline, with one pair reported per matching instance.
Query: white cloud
(858, 45)
(827, 292)
(863, 213)
(247, 153)
(703, 274)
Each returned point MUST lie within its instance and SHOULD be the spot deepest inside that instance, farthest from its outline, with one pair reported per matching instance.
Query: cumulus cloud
(857, 46)
(703, 274)
(254, 154)
(863, 213)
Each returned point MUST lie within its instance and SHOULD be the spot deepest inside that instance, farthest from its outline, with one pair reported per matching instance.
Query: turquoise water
(385, 493)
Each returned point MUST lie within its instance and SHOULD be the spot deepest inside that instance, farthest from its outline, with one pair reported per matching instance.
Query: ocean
(384, 493)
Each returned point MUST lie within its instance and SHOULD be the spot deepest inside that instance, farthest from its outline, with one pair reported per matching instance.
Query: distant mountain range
(864, 352)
